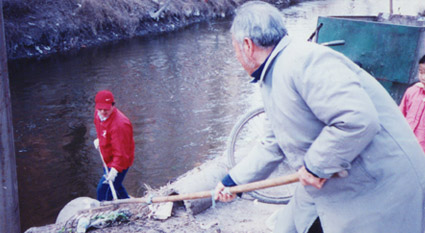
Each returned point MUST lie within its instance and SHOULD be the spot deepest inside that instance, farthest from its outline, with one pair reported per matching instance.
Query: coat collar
(279, 47)
(107, 120)
(419, 84)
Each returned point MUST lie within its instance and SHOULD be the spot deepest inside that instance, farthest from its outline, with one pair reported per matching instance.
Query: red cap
(104, 99)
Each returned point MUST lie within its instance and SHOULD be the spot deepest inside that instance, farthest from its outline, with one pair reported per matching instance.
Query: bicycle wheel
(243, 136)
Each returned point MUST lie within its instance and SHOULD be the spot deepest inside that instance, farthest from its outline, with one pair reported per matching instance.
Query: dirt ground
(244, 214)
(240, 216)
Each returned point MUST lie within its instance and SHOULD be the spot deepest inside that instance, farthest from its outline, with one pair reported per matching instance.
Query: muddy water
(182, 91)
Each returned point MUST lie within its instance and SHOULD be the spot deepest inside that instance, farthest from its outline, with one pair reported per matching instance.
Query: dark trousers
(104, 192)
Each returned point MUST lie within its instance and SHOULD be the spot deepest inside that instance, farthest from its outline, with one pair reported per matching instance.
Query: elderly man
(115, 141)
(360, 167)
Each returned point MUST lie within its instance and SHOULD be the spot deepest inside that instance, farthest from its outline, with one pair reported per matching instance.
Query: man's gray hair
(259, 21)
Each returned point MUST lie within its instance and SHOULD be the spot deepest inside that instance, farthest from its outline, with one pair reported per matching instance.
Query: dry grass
(35, 28)
(109, 14)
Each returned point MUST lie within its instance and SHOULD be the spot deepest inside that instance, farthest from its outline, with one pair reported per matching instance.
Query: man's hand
(222, 195)
(112, 174)
(306, 178)
(96, 143)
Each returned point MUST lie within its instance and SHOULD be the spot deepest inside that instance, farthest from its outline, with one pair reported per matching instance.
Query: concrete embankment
(42, 27)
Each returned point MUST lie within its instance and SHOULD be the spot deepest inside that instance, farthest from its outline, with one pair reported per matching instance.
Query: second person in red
(413, 105)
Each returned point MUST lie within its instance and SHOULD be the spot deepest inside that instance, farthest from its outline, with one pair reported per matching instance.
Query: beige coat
(328, 113)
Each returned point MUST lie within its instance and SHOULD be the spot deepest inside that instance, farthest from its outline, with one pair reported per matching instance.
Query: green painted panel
(388, 51)
(385, 50)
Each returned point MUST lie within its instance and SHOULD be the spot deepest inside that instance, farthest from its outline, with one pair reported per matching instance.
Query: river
(183, 91)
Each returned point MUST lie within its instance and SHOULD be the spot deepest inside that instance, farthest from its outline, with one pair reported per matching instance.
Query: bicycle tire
(241, 138)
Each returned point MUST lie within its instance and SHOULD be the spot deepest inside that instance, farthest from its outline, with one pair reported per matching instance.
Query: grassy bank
(37, 28)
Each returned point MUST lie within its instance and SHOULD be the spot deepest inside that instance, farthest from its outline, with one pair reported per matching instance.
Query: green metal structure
(387, 47)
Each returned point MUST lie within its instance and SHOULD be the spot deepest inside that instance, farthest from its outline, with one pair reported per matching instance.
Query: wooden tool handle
(282, 180)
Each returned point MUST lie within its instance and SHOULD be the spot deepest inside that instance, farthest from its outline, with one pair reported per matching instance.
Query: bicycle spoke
(245, 133)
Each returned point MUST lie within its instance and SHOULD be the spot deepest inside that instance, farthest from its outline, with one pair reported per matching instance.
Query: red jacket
(413, 106)
(116, 140)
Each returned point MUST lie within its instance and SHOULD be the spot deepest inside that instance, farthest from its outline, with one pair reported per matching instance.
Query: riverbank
(43, 27)
(239, 216)
(242, 215)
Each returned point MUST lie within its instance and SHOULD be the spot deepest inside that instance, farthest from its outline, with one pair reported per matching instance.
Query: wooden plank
(9, 204)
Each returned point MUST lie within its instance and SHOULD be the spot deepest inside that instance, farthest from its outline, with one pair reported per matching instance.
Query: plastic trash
(83, 224)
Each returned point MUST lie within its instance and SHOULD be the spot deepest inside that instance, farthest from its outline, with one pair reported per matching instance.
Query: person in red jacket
(116, 143)
(413, 105)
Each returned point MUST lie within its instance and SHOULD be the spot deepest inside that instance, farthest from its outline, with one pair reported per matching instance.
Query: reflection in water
(183, 92)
